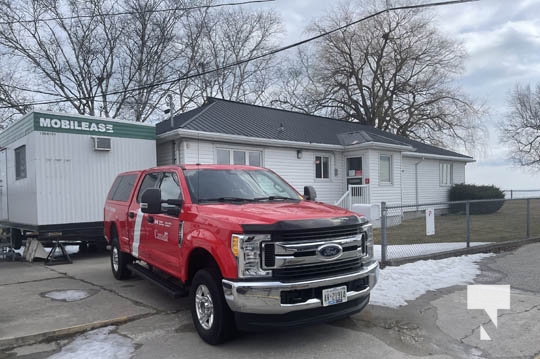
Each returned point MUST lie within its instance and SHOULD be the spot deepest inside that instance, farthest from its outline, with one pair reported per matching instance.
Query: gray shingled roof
(235, 118)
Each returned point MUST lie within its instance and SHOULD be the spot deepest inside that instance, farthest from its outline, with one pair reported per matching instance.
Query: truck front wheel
(119, 261)
(211, 315)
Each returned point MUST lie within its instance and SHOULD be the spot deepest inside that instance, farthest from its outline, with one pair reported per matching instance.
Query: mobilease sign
(76, 125)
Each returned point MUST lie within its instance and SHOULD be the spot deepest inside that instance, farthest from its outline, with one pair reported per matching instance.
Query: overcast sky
(502, 38)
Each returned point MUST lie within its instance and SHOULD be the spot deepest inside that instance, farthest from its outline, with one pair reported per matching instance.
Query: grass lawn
(508, 223)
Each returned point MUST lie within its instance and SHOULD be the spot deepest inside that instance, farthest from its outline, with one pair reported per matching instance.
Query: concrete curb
(65, 332)
(492, 247)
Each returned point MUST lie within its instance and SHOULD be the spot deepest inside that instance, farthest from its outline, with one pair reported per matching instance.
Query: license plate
(333, 296)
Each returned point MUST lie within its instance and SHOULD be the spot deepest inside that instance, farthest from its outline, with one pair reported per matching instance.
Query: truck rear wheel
(211, 315)
(119, 261)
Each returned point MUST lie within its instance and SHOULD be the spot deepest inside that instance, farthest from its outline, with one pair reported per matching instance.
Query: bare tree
(124, 65)
(72, 56)
(521, 128)
(151, 53)
(394, 72)
(233, 35)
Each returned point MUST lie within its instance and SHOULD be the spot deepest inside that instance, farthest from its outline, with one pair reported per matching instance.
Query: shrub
(463, 192)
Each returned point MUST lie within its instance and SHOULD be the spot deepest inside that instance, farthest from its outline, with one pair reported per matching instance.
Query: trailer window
(122, 188)
(20, 162)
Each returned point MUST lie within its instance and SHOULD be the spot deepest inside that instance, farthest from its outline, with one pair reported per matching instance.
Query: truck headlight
(247, 249)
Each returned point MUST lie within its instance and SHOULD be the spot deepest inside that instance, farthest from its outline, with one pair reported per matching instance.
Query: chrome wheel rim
(204, 307)
(115, 258)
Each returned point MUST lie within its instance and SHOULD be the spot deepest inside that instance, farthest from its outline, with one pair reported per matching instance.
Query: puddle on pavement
(69, 295)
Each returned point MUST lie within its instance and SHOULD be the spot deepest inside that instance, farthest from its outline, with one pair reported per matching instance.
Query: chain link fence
(521, 193)
(425, 229)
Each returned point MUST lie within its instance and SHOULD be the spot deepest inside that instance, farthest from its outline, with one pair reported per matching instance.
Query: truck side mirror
(309, 193)
(151, 201)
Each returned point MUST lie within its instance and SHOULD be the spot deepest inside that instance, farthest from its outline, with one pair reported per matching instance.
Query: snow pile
(99, 343)
(70, 295)
(397, 285)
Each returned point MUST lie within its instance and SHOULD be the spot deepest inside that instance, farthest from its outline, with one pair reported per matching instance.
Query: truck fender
(220, 253)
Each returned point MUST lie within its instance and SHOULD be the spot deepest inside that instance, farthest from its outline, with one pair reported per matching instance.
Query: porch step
(173, 289)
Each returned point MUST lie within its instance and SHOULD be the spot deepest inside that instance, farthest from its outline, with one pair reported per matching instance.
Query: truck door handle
(131, 214)
(150, 219)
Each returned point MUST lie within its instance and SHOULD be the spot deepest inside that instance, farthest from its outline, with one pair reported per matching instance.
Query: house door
(3, 186)
(354, 171)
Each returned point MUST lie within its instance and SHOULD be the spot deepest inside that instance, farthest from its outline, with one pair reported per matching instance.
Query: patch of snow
(410, 250)
(99, 343)
(400, 284)
(70, 295)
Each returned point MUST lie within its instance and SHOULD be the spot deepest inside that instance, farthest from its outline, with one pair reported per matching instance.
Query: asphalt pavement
(152, 325)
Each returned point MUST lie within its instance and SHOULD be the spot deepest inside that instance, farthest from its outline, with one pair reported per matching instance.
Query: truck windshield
(237, 186)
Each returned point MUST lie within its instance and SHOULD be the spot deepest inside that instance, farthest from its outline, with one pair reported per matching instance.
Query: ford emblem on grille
(330, 251)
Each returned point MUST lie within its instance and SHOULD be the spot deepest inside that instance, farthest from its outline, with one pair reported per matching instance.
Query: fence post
(468, 219)
(528, 218)
(511, 194)
(383, 232)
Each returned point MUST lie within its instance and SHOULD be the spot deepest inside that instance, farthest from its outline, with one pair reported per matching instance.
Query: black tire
(119, 264)
(16, 238)
(221, 327)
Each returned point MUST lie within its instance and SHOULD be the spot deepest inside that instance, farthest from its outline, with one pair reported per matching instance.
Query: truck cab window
(149, 181)
(170, 187)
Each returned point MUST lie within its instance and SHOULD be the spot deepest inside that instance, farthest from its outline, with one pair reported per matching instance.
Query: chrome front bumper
(265, 297)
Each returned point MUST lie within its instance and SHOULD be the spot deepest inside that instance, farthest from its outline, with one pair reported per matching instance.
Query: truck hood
(271, 212)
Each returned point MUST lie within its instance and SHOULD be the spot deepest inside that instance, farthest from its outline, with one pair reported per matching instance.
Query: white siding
(195, 151)
(73, 179)
(22, 193)
(429, 187)
(380, 192)
(301, 172)
(165, 153)
(284, 161)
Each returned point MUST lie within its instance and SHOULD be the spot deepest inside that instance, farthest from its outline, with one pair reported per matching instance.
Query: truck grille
(316, 234)
(318, 270)
(298, 254)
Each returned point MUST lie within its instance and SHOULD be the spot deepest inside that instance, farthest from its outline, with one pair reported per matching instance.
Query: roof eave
(379, 145)
(215, 136)
(438, 157)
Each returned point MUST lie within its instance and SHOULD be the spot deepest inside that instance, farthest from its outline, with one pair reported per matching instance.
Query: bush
(463, 192)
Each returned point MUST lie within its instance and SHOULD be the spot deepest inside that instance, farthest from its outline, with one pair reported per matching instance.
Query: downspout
(416, 181)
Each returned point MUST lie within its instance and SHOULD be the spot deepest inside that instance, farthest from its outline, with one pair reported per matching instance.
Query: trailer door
(3, 186)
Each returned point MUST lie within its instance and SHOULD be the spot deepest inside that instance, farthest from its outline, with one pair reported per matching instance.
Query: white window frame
(446, 176)
(246, 154)
(390, 170)
(322, 169)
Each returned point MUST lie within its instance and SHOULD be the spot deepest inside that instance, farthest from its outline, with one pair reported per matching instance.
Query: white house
(344, 161)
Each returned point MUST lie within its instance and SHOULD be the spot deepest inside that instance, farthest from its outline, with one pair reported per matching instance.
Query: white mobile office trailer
(56, 170)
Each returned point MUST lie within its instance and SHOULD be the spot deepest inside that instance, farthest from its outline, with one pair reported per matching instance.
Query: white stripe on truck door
(137, 234)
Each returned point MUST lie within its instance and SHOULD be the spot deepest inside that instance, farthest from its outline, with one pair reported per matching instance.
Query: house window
(20, 162)
(445, 173)
(322, 164)
(238, 157)
(223, 157)
(385, 169)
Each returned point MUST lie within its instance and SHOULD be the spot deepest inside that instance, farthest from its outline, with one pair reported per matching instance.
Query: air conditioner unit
(102, 143)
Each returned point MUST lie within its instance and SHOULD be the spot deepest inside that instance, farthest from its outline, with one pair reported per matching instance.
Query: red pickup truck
(248, 248)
